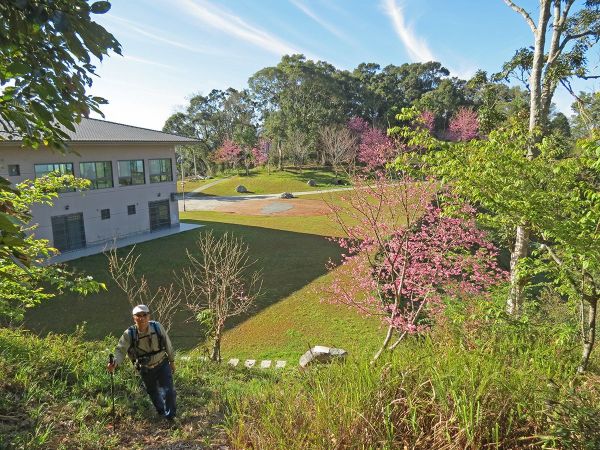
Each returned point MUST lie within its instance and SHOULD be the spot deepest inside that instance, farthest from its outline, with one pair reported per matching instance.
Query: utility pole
(182, 180)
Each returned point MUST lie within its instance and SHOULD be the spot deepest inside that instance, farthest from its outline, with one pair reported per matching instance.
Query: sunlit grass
(276, 182)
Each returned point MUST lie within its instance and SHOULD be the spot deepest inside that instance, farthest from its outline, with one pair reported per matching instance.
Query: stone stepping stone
(249, 363)
(280, 364)
(265, 364)
(233, 362)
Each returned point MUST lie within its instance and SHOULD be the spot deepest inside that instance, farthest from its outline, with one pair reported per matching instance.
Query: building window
(105, 214)
(61, 168)
(131, 172)
(14, 170)
(131, 210)
(99, 173)
(160, 170)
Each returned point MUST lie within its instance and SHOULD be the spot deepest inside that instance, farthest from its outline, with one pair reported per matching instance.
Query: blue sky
(175, 48)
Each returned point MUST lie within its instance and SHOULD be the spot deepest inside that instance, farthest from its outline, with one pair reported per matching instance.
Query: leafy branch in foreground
(26, 279)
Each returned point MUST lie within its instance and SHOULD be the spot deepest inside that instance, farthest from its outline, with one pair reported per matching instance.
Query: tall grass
(470, 385)
(55, 393)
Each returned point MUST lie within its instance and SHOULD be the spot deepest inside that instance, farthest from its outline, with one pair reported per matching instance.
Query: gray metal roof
(95, 130)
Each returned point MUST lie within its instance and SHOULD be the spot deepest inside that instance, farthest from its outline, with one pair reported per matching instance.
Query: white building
(133, 175)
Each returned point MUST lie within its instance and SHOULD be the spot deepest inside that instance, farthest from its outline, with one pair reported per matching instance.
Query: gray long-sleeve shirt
(147, 342)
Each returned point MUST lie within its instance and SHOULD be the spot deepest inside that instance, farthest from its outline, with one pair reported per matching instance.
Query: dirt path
(269, 204)
(206, 186)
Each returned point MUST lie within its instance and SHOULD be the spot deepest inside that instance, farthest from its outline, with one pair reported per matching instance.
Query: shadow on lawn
(288, 260)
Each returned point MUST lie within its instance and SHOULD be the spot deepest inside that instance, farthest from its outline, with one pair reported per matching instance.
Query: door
(160, 214)
(68, 232)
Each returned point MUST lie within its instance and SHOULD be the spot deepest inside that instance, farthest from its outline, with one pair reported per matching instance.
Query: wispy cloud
(150, 63)
(329, 27)
(416, 47)
(157, 36)
(235, 26)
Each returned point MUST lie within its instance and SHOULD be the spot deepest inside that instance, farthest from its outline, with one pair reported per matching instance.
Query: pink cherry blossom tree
(427, 119)
(260, 153)
(403, 255)
(228, 153)
(375, 148)
(464, 125)
(358, 125)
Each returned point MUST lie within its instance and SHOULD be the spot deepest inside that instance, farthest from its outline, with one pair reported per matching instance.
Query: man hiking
(149, 348)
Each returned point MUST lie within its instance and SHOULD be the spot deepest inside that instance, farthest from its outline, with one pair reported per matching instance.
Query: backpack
(140, 357)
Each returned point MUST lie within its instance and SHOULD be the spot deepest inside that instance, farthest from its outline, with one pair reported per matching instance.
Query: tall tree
(212, 119)
(299, 96)
(562, 38)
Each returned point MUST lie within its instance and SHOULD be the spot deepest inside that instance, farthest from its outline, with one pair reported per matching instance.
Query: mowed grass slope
(291, 252)
(276, 182)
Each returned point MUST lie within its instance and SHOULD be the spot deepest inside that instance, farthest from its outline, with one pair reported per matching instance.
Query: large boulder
(286, 195)
(320, 354)
(241, 189)
(311, 183)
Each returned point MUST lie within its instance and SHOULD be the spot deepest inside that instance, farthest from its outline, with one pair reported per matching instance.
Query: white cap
(140, 308)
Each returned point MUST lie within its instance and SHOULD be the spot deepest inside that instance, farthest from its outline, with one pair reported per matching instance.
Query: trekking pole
(111, 360)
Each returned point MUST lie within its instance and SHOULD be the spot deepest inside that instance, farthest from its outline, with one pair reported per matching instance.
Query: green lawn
(191, 185)
(275, 182)
(292, 253)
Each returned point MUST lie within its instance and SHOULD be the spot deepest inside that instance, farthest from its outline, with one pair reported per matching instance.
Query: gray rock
(241, 189)
(286, 195)
(311, 183)
(338, 181)
(322, 355)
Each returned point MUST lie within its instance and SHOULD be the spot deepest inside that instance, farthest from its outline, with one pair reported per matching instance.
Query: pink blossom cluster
(260, 153)
(404, 255)
(427, 119)
(358, 125)
(375, 148)
(464, 125)
(228, 153)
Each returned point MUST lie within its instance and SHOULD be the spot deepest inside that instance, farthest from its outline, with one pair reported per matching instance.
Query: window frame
(54, 170)
(105, 212)
(164, 176)
(61, 172)
(14, 166)
(131, 172)
(94, 182)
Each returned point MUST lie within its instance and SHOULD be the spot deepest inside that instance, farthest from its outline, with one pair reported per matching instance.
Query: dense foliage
(46, 49)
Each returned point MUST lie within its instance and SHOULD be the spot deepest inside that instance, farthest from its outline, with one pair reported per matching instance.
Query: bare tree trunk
(195, 164)
(589, 333)
(517, 283)
(384, 345)
(280, 156)
(215, 354)
(536, 119)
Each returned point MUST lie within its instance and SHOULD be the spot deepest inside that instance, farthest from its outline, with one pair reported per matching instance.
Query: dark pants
(157, 379)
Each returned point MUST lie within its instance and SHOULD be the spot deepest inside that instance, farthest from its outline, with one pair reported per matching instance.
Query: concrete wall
(92, 201)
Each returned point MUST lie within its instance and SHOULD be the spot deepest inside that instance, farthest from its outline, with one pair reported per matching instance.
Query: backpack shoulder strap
(156, 328)
(133, 342)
